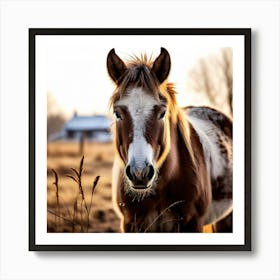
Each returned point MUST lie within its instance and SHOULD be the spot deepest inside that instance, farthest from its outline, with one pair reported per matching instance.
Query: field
(66, 208)
(79, 205)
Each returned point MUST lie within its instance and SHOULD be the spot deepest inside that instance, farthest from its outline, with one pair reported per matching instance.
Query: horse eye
(118, 116)
(161, 116)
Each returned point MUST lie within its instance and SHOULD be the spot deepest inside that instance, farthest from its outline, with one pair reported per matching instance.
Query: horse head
(140, 104)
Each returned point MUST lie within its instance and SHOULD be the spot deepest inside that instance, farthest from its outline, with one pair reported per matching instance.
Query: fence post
(82, 143)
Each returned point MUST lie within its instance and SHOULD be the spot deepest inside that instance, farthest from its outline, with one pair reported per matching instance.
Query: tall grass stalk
(78, 179)
(75, 209)
(61, 217)
(166, 209)
(80, 201)
(57, 217)
(92, 190)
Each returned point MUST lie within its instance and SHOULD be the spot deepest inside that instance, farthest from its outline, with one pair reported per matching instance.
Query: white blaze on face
(140, 106)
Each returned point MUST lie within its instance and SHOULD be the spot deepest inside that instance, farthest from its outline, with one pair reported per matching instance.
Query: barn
(95, 128)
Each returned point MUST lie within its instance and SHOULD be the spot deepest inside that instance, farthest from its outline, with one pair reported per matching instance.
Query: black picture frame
(33, 32)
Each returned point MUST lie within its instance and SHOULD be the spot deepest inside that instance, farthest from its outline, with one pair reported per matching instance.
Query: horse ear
(115, 66)
(161, 66)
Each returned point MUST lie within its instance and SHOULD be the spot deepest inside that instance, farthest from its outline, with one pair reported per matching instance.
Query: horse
(173, 166)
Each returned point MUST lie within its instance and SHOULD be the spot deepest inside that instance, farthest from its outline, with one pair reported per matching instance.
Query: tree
(211, 77)
(55, 117)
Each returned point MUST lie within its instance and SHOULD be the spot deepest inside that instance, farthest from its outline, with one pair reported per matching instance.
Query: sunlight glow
(75, 66)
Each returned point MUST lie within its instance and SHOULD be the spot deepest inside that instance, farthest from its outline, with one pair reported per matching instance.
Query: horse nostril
(151, 172)
(128, 172)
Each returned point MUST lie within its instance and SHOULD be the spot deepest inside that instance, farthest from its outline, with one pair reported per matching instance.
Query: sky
(72, 69)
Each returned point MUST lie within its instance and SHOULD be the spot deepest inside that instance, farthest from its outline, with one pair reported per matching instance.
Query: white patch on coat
(218, 210)
(140, 106)
(217, 164)
(209, 137)
(141, 152)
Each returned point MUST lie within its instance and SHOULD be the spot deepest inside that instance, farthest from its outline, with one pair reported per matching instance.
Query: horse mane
(177, 115)
(139, 74)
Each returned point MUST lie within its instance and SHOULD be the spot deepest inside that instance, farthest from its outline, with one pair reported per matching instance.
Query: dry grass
(79, 191)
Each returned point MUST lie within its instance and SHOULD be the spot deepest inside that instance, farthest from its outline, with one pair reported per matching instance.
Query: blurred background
(80, 149)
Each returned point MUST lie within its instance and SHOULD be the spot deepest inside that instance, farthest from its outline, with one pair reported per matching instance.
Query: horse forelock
(137, 75)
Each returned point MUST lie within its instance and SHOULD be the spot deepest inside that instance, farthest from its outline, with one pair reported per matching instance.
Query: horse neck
(179, 151)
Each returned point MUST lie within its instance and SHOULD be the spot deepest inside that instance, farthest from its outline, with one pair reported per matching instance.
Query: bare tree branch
(211, 77)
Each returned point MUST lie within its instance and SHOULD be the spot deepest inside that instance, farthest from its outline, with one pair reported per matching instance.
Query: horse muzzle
(140, 177)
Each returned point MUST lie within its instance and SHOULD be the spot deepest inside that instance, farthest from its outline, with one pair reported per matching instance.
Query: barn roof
(96, 122)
